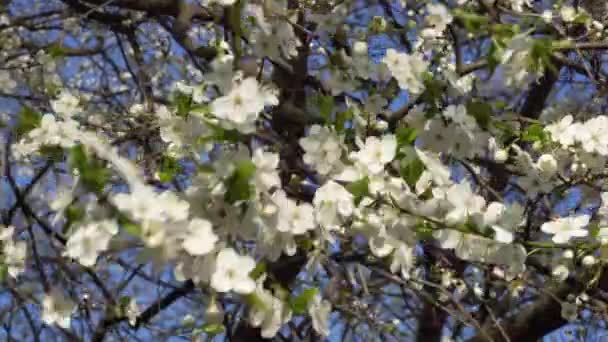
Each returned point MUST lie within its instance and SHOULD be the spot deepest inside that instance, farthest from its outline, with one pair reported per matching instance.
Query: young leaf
(92, 172)
(359, 188)
(238, 187)
(28, 120)
(300, 304)
(482, 112)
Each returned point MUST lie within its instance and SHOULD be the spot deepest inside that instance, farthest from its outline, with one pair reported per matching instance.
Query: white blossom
(332, 203)
(406, 69)
(319, 311)
(565, 228)
(90, 240)
(239, 109)
(232, 272)
(57, 309)
(200, 238)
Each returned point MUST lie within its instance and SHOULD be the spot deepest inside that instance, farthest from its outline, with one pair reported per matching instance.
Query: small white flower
(89, 241)
(239, 109)
(565, 228)
(319, 311)
(547, 165)
(57, 309)
(560, 272)
(200, 238)
(588, 260)
(232, 272)
(132, 311)
(464, 203)
(266, 173)
(271, 312)
(67, 105)
(322, 149)
(568, 13)
(503, 220)
(406, 69)
(293, 217)
(501, 155)
(376, 153)
(332, 203)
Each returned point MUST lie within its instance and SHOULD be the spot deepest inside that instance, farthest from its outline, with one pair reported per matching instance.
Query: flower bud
(560, 273)
(547, 165)
(501, 155)
(588, 261)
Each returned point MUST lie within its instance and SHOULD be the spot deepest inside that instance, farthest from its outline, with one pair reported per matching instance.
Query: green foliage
(183, 104)
(220, 134)
(73, 213)
(412, 171)
(534, 133)
(424, 230)
(359, 189)
(481, 111)
(93, 174)
(52, 153)
(326, 106)
(258, 271)
(342, 118)
(299, 304)
(541, 55)
(56, 51)
(209, 329)
(3, 272)
(129, 226)
(433, 91)
(238, 185)
(28, 120)
(473, 22)
(406, 136)
(168, 169)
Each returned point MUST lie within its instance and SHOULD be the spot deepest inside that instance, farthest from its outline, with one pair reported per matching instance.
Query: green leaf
(534, 133)
(28, 120)
(210, 329)
(258, 271)
(237, 30)
(238, 185)
(342, 118)
(472, 22)
(169, 168)
(594, 230)
(504, 31)
(200, 109)
(541, 54)
(412, 171)
(255, 301)
(183, 104)
(406, 136)
(93, 173)
(482, 112)
(220, 135)
(326, 106)
(359, 189)
(129, 226)
(54, 153)
(433, 91)
(3, 272)
(424, 231)
(73, 213)
(300, 304)
(56, 51)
